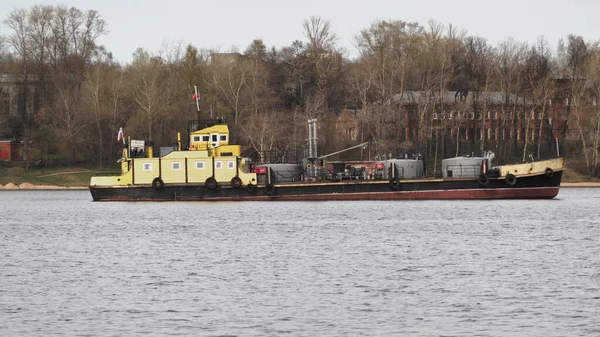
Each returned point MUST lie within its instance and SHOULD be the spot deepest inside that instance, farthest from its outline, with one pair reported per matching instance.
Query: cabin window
(199, 165)
(147, 166)
(196, 138)
(176, 166)
(230, 164)
(223, 138)
(205, 138)
(219, 164)
(214, 138)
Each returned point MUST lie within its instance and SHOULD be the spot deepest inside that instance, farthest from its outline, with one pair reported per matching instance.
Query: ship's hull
(533, 186)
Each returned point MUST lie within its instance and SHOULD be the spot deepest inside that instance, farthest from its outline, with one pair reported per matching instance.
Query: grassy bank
(61, 176)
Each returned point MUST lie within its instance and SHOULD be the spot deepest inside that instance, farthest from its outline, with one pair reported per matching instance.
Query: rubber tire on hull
(157, 183)
(269, 189)
(210, 183)
(549, 172)
(236, 182)
(483, 180)
(510, 179)
(394, 184)
(250, 188)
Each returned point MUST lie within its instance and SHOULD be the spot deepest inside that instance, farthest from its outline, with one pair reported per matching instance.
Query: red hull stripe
(466, 194)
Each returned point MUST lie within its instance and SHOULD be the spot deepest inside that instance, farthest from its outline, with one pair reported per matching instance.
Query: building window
(472, 115)
(230, 164)
(199, 165)
(566, 101)
(435, 116)
(147, 166)
(176, 166)
(196, 138)
(219, 164)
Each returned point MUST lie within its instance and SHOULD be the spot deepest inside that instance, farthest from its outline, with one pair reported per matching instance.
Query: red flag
(194, 97)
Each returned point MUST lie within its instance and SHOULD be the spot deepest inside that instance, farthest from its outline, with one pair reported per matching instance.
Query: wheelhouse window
(205, 138)
(196, 138)
(199, 165)
(219, 164)
(147, 166)
(176, 166)
(230, 164)
(223, 138)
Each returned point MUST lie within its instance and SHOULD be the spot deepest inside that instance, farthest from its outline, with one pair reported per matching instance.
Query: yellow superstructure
(209, 161)
(556, 164)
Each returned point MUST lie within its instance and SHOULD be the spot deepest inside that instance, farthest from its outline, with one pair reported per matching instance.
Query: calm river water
(72, 267)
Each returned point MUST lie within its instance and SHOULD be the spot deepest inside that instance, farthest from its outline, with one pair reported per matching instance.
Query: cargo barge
(211, 169)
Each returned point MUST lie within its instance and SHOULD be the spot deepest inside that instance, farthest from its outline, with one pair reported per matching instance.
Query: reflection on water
(71, 267)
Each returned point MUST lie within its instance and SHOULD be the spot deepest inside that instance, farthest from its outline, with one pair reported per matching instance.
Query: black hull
(526, 187)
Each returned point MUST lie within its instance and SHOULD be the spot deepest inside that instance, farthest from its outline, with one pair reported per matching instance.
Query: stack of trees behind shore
(73, 96)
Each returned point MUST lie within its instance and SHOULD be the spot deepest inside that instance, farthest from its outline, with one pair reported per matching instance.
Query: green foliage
(61, 176)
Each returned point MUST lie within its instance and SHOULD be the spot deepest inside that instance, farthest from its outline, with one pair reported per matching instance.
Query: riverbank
(580, 184)
(28, 186)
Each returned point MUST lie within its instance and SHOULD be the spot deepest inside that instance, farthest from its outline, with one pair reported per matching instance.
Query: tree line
(73, 96)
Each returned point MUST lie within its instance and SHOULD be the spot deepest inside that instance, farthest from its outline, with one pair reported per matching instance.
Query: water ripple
(71, 267)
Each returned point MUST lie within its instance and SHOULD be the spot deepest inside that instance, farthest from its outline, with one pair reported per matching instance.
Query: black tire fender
(483, 180)
(510, 179)
(210, 183)
(250, 188)
(549, 172)
(236, 182)
(269, 189)
(394, 184)
(157, 183)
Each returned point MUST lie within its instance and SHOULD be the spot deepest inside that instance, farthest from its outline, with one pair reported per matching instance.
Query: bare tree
(20, 41)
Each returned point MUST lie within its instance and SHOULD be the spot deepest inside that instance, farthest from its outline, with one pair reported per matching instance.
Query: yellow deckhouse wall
(145, 169)
(198, 166)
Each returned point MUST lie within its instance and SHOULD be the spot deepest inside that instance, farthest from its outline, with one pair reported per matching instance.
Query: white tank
(461, 167)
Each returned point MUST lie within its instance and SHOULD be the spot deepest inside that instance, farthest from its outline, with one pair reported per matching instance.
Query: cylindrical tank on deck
(405, 168)
(461, 167)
